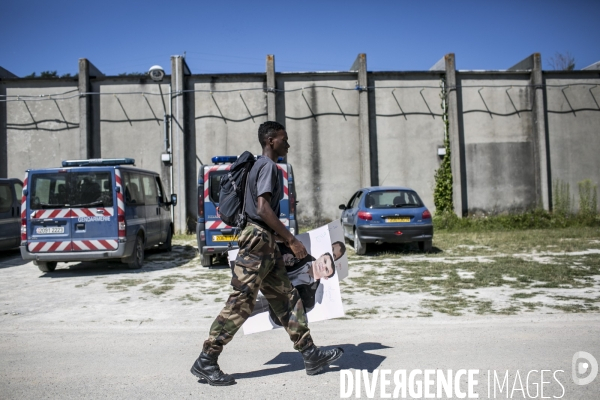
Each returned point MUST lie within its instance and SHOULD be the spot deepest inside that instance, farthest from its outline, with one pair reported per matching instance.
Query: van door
(49, 229)
(152, 209)
(218, 233)
(164, 210)
(10, 214)
(135, 209)
(92, 198)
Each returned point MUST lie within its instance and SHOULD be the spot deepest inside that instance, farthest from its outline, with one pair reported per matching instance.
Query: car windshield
(392, 199)
(72, 189)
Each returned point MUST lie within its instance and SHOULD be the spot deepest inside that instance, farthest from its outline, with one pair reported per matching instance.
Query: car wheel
(205, 260)
(47, 266)
(167, 244)
(359, 247)
(425, 246)
(137, 258)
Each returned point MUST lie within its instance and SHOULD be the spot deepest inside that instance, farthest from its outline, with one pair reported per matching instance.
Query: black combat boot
(315, 359)
(206, 367)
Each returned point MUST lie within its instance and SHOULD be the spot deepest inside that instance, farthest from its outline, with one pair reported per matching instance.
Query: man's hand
(264, 211)
(298, 248)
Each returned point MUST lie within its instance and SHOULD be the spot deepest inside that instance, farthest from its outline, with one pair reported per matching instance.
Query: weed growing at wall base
(533, 219)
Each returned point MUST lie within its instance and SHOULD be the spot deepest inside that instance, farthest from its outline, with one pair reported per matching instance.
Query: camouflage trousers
(259, 265)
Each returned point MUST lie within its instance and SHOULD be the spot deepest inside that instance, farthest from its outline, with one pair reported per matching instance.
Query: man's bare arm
(265, 212)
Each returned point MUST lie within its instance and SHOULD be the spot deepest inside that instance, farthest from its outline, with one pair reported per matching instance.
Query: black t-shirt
(263, 178)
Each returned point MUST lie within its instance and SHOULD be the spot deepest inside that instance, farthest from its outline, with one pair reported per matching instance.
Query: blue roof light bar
(232, 159)
(98, 162)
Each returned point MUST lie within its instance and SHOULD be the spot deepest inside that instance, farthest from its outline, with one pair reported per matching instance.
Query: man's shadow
(355, 356)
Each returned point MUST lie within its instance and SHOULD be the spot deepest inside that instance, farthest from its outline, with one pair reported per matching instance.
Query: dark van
(96, 209)
(11, 191)
(213, 235)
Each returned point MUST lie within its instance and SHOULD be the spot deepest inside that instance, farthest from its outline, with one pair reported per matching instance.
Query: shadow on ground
(11, 258)
(397, 248)
(154, 260)
(355, 356)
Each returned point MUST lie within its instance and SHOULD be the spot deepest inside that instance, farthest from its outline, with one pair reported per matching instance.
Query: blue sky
(235, 36)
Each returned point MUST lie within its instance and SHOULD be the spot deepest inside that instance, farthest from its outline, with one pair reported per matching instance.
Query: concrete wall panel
(41, 131)
(409, 131)
(131, 123)
(504, 163)
(321, 118)
(227, 119)
(498, 133)
(573, 114)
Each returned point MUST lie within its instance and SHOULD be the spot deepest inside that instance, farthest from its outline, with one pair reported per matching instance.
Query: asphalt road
(44, 354)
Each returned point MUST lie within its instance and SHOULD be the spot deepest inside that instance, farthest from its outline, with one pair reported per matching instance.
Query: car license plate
(398, 219)
(43, 231)
(223, 238)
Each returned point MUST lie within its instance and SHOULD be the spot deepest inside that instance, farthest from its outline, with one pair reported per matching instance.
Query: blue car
(381, 214)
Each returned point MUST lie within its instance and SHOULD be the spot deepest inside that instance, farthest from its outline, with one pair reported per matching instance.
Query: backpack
(232, 192)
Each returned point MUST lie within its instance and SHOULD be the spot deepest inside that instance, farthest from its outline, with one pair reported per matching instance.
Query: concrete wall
(322, 125)
(406, 120)
(40, 131)
(512, 132)
(497, 125)
(128, 120)
(573, 114)
(227, 112)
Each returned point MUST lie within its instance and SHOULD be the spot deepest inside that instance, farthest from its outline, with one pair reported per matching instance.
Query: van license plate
(43, 231)
(223, 238)
(399, 219)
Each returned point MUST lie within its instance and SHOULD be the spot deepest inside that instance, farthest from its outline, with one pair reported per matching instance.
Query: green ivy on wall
(442, 194)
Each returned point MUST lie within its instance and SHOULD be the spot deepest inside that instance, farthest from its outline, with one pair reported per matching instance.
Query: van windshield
(214, 178)
(72, 189)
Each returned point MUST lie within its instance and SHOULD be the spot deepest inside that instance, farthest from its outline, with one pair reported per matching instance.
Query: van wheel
(167, 245)
(205, 260)
(47, 266)
(138, 254)
(359, 247)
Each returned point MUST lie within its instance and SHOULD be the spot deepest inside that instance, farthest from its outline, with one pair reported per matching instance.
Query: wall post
(456, 143)
(89, 140)
(271, 97)
(183, 150)
(540, 142)
(85, 112)
(360, 65)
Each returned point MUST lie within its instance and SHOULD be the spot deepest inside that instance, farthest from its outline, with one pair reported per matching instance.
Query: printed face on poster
(316, 277)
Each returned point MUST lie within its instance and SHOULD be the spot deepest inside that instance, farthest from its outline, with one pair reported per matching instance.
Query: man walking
(259, 265)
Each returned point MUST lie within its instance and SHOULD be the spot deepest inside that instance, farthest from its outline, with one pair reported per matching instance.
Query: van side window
(159, 189)
(150, 194)
(5, 198)
(215, 185)
(133, 195)
(18, 191)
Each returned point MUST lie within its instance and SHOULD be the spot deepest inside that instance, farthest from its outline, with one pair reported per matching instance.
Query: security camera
(156, 73)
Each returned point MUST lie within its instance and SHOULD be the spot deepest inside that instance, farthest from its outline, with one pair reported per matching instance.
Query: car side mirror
(174, 199)
(342, 207)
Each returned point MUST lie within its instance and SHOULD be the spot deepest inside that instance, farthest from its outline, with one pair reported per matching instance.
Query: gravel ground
(94, 330)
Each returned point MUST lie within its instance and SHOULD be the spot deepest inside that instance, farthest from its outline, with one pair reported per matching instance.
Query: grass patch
(362, 312)
(452, 305)
(525, 295)
(123, 285)
(157, 290)
(533, 219)
(189, 297)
